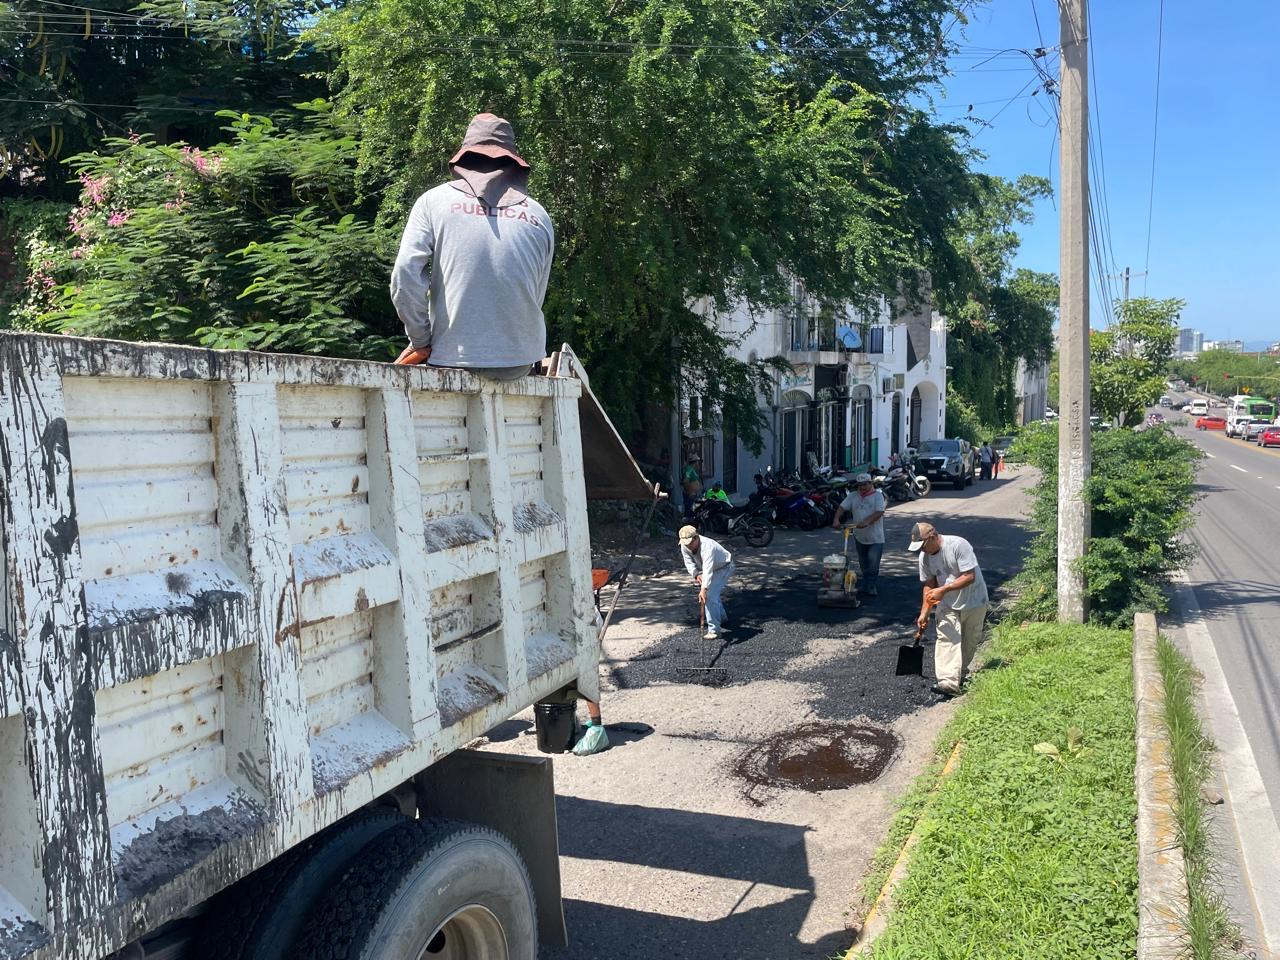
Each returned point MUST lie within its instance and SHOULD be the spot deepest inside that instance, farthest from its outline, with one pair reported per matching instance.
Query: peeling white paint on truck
(245, 594)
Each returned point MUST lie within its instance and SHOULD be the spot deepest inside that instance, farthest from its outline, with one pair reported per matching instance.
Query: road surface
(1237, 584)
(1236, 587)
(676, 843)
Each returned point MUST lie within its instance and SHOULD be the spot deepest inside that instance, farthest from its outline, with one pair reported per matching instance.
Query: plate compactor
(839, 579)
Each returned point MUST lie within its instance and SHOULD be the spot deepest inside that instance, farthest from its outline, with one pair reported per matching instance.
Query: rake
(707, 675)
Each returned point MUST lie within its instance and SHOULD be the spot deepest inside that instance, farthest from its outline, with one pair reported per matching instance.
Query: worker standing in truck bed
(474, 261)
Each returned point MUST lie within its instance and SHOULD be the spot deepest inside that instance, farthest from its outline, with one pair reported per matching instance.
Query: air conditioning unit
(886, 385)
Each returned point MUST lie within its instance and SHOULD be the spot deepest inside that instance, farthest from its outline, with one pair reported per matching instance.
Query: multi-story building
(1031, 387)
(862, 386)
(1190, 342)
(1235, 346)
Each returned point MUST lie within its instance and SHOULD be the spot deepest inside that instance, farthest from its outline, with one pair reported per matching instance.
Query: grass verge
(1210, 933)
(1028, 850)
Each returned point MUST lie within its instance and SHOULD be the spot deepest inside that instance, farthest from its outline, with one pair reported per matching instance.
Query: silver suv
(951, 459)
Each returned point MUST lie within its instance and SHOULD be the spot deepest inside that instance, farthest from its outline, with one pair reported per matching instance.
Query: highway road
(1229, 624)
(1237, 583)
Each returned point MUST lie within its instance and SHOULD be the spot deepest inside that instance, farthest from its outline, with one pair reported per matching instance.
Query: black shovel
(911, 658)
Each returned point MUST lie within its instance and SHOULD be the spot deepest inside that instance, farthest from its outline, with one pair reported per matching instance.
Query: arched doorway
(925, 408)
(895, 428)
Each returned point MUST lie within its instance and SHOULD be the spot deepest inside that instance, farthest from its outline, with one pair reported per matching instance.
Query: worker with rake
(711, 566)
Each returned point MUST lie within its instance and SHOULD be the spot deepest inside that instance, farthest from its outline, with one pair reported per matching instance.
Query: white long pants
(959, 633)
(715, 607)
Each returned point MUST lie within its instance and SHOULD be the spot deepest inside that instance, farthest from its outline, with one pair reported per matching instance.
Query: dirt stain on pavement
(815, 757)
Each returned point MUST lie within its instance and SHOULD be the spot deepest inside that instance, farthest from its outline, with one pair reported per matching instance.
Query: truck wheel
(429, 890)
(262, 916)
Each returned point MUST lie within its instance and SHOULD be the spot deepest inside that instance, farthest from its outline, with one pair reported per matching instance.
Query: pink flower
(95, 188)
(78, 253)
(119, 218)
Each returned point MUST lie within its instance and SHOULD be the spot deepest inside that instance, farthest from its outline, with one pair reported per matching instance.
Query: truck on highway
(252, 608)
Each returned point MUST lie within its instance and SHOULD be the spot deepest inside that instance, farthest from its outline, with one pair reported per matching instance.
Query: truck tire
(262, 916)
(429, 889)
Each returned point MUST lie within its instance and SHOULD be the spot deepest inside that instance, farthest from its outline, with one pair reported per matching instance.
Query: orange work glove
(411, 356)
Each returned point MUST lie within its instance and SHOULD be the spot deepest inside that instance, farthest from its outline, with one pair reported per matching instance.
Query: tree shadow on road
(769, 861)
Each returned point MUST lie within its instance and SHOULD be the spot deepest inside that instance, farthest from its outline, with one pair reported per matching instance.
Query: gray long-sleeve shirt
(469, 279)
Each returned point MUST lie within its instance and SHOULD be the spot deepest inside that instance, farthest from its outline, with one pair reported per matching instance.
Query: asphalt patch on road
(815, 757)
(774, 618)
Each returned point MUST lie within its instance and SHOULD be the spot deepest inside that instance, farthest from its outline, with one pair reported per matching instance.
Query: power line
(119, 106)
(1039, 35)
(1155, 129)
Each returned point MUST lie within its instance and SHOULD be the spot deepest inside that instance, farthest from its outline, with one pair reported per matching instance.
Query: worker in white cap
(953, 583)
(863, 511)
(710, 565)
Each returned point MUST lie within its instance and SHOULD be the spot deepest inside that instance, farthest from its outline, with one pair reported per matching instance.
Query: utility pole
(1125, 276)
(1073, 311)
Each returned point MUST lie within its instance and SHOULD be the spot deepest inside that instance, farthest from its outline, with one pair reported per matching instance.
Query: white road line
(1241, 469)
(1210, 455)
(1256, 828)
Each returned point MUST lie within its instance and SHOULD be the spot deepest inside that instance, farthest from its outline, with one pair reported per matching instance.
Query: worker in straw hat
(953, 584)
(474, 261)
(711, 566)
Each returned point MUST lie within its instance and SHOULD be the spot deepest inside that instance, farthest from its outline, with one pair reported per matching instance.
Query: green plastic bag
(593, 740)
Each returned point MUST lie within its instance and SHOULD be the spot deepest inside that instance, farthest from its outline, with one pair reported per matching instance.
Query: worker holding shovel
(953, 584)
(710, 565)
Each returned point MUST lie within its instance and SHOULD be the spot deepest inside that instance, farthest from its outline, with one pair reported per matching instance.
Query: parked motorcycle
(750, 521)
(901, 483)
(792, 508)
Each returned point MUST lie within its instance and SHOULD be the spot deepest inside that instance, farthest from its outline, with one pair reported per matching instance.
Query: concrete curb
(1162, 878)
(877, 917)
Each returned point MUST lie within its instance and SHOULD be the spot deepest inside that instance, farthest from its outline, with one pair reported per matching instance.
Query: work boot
(711, 635)
(947, 692)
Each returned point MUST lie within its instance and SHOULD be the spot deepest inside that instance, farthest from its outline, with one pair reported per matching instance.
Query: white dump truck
(251, 607)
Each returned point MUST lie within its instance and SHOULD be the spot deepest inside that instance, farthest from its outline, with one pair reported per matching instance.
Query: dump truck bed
(245, 594)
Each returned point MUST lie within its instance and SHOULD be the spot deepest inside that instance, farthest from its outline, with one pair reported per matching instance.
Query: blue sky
(1216, 212)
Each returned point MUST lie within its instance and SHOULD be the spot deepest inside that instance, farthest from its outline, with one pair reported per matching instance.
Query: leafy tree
(998, 315)
(1226, 373)
(681, 151)
(77, 75)
(1128, 362)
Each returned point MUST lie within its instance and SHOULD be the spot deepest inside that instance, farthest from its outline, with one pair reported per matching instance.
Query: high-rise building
(1190, 342)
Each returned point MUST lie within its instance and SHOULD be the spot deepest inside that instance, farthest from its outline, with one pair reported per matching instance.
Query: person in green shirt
(691, 482)
(717, 493)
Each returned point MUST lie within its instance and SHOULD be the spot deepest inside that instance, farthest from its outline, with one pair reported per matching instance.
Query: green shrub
(1141, 493)
(29, 233)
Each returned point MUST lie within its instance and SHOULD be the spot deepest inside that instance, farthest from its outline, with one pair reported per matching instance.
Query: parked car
(1211, 422)
(1166, 401)
(1253, 428)
(1270, 436)
(951, 459)
(1001, 445)
(1155, 418)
